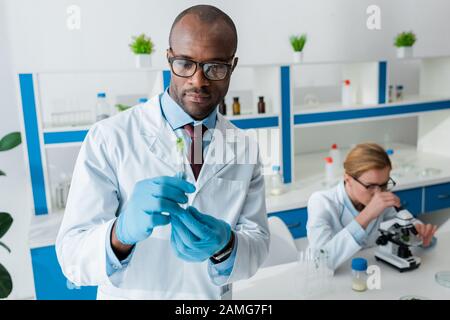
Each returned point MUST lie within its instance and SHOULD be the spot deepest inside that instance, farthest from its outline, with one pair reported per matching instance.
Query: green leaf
(5, 282)
(405, 39)
(10, 141)
(142, 45)
(298, 42)
(122, 107)
(5, 223)
(2, 173)
(5, 246)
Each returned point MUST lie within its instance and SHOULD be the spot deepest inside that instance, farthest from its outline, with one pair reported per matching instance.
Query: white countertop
(284, 281)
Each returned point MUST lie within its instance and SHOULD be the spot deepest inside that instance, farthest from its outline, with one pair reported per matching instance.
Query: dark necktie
(195, 155)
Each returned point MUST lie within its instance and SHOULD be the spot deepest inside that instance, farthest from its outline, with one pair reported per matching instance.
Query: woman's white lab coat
(139, 144)
(332, 226)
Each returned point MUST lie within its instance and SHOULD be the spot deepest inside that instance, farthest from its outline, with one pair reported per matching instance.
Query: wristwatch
(223, 254)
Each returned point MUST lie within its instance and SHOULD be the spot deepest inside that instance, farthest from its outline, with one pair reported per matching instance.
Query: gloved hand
(197, 236)
(149, 199)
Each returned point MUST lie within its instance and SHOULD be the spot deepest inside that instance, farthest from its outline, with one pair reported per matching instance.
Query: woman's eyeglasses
(388, 186)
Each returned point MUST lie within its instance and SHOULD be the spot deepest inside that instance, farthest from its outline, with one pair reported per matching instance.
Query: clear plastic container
(347, 98)
(102, 108)
(335, 154)
(277, 186)
(330, 174)
(359, 274)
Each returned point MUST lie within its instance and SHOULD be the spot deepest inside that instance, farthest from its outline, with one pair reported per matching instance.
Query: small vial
(391, 94)
(359, 274)
(223, 107)
(335, 154)
(329, 171)
(180, 151)
(399, 93)
(236, 106)
(277, 187)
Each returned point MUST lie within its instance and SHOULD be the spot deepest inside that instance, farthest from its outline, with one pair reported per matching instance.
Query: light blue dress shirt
(177, 118)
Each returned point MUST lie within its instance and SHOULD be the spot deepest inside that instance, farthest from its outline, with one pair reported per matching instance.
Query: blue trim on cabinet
(382, 81)
(64, 136)
(33, 143)
(382, 111)
(255, 123)
(166, 79)
(50, 282)
(286, 127)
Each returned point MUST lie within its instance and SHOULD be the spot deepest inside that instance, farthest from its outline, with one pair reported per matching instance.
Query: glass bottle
(277, 186)
(399, 93)
(391, 94)
(223, 107)
(261, 105)
(102, 108)
(236, 106)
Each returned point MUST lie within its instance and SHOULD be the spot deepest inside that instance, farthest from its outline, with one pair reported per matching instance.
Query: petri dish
(443, 278)
(429, 172)
(413, 297)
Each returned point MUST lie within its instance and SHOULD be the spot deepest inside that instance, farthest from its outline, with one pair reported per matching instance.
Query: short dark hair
(207, 14)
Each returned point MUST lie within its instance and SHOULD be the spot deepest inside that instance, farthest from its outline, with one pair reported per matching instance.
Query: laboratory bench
(288, 281)
(419, 193)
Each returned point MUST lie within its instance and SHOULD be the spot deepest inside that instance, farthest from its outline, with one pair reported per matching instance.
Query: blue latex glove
(149, 199)
(197, 236)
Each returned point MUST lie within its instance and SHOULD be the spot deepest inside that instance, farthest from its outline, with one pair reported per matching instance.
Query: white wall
(336, 28)
(14, 190)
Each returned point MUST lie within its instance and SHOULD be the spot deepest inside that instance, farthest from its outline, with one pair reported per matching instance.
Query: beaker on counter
(62, 192)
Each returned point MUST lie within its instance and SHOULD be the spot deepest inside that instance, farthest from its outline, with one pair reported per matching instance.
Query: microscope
(397, 236)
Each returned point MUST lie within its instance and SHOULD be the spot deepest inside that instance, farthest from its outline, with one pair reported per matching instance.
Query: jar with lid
(359, 274)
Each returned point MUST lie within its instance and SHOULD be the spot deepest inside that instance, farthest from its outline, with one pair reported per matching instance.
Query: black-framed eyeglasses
(388, 186)
(186, 68)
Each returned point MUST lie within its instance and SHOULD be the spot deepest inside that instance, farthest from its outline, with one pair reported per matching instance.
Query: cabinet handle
(294, 225)
(443, 196)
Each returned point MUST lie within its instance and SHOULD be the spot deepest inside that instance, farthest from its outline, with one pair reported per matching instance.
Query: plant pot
(298, 56)
(404, 52)
(143, 61)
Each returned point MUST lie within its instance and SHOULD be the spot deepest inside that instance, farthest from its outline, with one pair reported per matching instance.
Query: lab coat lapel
(212, 165)
(157, 133)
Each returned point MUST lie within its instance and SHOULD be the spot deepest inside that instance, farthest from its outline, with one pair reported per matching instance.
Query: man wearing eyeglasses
(140, 224)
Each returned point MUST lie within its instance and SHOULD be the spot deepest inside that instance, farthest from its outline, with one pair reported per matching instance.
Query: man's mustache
(197, 91)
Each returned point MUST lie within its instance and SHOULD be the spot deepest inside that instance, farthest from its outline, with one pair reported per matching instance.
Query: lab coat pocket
(222, 198)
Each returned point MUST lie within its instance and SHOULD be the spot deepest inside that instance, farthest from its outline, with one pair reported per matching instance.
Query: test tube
(180, 151)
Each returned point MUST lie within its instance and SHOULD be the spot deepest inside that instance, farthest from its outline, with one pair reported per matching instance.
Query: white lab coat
(328, 226)
(139, 144)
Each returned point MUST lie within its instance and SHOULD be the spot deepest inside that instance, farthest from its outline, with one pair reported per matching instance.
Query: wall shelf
(340, 113)
(277, 82)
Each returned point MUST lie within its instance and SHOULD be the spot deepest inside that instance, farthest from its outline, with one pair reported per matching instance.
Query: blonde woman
(346, 218)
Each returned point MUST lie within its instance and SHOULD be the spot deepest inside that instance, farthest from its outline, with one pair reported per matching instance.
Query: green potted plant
(404, 42)
(297, 43)
(8, 142)
(142, 46)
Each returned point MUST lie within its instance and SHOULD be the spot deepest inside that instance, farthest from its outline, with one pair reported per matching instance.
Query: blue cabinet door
(411, 200)
(295, 220)
(49, 281)
(437, 197)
